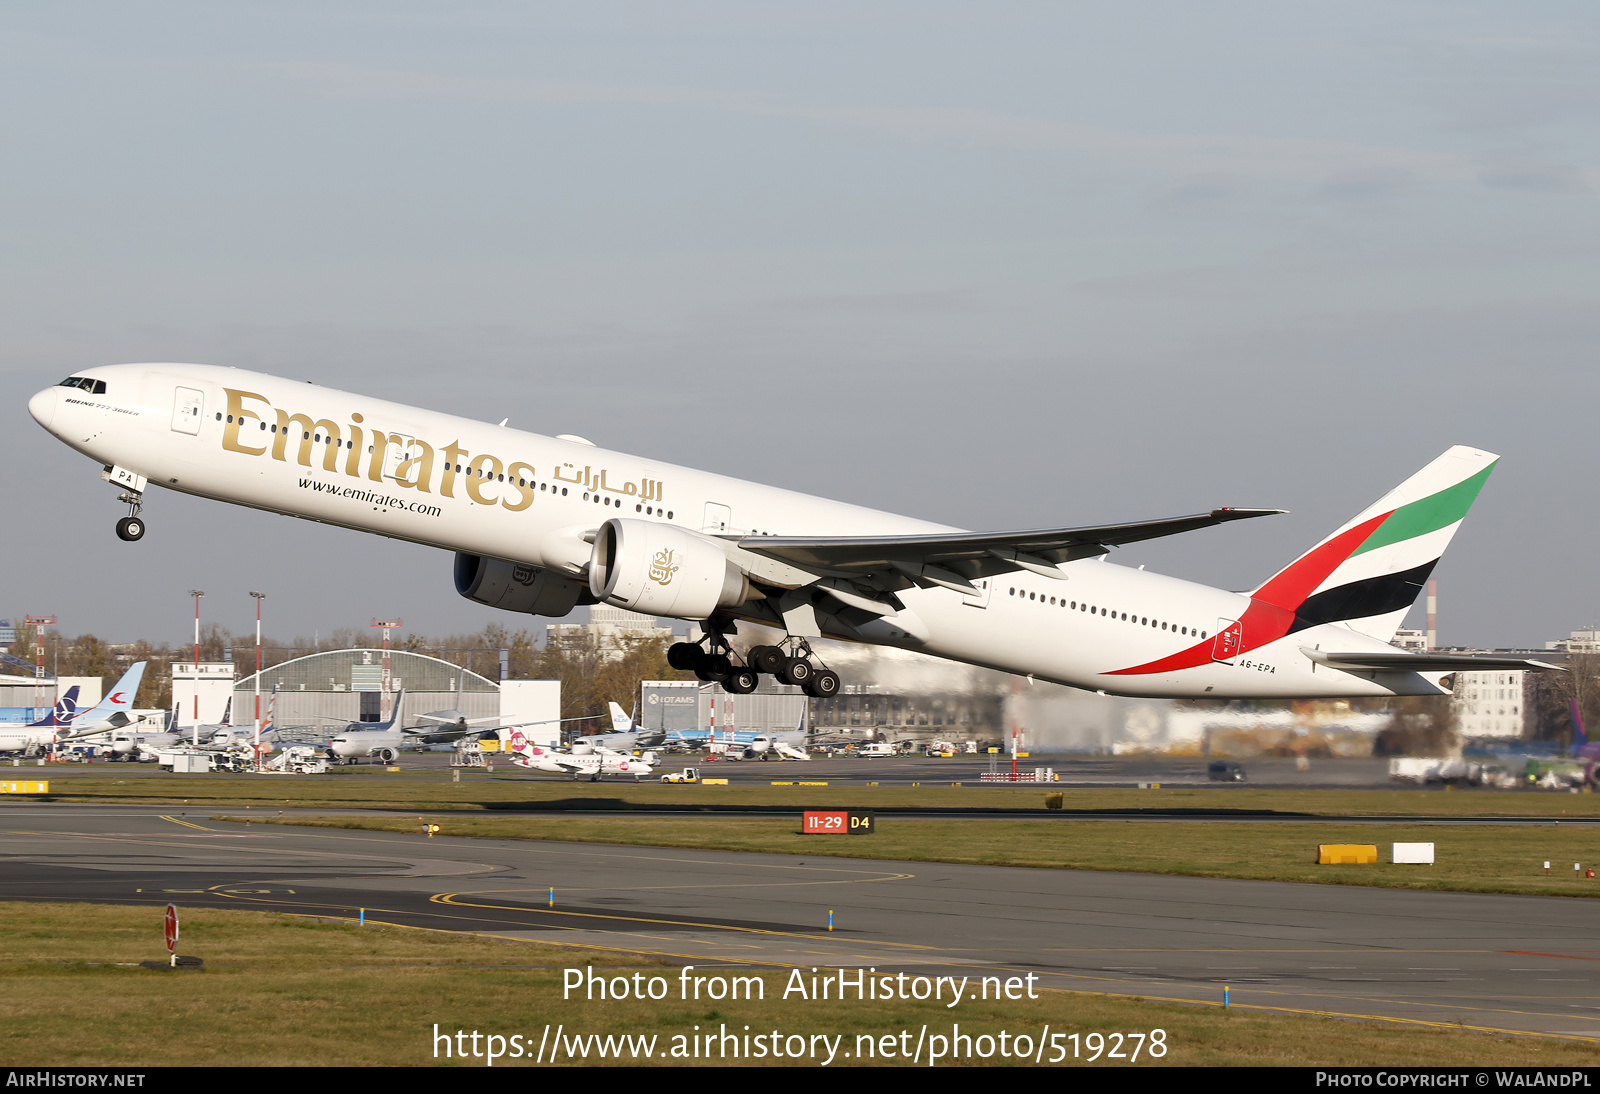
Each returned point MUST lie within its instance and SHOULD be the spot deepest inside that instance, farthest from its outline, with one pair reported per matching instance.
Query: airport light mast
(259, 598)
(386, 625)
(195, 732)
(37, 622)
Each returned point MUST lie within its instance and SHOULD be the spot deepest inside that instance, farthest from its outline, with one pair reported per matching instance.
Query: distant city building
(691, 706)
(1411, 641)
(1580, 642)
(612, 632)
(1491, 704)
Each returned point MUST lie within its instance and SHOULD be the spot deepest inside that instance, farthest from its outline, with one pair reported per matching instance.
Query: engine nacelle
(661, 570)
(515, 587)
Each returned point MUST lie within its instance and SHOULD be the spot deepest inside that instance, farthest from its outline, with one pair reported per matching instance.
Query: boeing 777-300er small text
(543, 524)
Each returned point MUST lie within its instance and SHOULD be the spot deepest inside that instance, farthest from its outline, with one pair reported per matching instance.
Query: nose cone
(43, 407)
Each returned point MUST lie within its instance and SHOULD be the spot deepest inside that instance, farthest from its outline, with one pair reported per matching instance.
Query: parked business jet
(542, 524)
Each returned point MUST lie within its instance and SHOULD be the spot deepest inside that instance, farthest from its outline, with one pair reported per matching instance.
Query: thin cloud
(1281, 159)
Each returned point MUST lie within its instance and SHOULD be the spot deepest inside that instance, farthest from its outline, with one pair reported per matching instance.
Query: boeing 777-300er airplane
(543, 524)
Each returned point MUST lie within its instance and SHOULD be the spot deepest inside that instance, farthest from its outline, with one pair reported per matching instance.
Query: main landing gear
(714, 663)
(130, 529)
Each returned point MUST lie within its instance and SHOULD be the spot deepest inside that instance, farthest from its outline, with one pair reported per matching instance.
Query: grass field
(371, 788)
(1469, 858)
(278, 990)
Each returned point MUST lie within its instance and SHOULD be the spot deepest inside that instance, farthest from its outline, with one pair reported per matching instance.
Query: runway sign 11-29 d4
(837, 822)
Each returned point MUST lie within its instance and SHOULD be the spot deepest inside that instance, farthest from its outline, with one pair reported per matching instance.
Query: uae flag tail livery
(1363, 578)
(1367, 574)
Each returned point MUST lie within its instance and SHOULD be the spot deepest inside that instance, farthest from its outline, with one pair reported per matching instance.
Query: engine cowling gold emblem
(661, 567)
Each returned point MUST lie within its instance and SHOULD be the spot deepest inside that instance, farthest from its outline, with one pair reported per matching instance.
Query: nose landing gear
(130, 529)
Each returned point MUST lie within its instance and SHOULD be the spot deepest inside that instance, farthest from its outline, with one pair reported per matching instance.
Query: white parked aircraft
(110, 714)
(39, 735)
(542, 524)
(137, 745)
(380, 739)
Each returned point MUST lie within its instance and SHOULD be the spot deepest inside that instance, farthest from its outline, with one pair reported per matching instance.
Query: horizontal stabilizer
(1400, 661)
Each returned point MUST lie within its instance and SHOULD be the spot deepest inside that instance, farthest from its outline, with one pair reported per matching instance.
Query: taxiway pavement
(1510, 963)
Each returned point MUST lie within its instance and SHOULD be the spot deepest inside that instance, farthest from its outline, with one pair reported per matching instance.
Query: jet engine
(515, 587)
(661, 570)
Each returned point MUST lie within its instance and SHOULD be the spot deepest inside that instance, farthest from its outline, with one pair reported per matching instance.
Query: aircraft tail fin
(620, 722)
(63, 712)
(1369, 572)
(397, 716)
(113, 710)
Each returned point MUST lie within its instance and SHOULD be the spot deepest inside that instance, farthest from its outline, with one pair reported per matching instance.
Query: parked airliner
(543, 524)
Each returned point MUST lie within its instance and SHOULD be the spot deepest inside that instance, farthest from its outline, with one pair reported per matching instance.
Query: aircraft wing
(953, 560)
(455, 719)
(1400, 661)
(444, 733)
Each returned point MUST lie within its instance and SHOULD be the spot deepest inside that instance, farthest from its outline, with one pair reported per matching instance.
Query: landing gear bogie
(740, 681)
(796, 671)
(767, 659)
(824, 685)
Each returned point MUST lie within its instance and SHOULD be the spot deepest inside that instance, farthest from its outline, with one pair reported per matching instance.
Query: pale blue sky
(1000, 265)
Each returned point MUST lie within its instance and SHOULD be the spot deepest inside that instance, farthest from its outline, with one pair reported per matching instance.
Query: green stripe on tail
(1428, 514)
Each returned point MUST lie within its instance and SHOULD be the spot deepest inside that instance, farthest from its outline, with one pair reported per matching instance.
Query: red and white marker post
(172, 933)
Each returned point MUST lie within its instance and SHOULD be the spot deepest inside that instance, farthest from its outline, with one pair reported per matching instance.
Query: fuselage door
(188, 407)
(719, 518)
(400, 449)
(1228, 641)
(980, 599)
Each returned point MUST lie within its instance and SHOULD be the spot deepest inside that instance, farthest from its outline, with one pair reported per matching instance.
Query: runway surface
(1508, 963)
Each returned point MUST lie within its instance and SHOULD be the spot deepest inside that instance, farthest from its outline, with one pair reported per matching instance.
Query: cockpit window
(94, 387)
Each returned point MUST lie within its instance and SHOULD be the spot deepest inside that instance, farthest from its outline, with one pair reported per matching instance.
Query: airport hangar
(320, 692)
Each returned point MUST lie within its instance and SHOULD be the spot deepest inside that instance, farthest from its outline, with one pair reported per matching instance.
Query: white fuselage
(309, 451)
(28, 738)
(357, 744)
